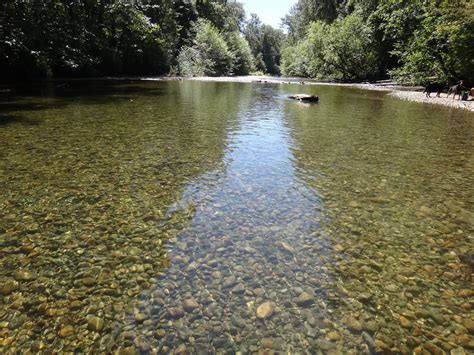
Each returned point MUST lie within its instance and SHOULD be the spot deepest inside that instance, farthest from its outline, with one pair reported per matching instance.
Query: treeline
(411, 41)
(57, 38)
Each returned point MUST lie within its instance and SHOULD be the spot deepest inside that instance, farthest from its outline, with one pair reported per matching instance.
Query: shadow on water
(23, 104)
(12, 119)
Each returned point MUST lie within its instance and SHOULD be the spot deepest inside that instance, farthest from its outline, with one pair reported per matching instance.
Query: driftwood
(304, 97)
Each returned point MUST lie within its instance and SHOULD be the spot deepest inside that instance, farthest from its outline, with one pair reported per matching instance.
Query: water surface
(161, 216)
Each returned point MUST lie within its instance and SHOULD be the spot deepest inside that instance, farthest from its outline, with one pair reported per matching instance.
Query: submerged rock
(95, 324)
(266, 310)
(304, 299)
(190, 305)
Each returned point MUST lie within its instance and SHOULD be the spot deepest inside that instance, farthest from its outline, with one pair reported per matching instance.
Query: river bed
(217, 217)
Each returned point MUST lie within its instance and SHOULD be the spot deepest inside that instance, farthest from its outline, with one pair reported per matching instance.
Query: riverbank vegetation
(411, 41)
(41, 39)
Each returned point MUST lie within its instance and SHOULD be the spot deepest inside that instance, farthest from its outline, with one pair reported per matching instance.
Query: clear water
(159, 216)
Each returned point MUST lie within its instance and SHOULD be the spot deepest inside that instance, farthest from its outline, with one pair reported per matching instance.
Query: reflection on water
(218, 217)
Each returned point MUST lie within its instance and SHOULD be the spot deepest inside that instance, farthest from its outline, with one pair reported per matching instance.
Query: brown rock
(469, 324)
(267, 343)
(190, 305)
(181, 349)
(354, 325)
(382, 346)
(266, 310)
(7, 287)
(175, 312)
(333, 336)
(66, 331)
(434, 349)
(95, 324)
(405, 322)
(465, 293)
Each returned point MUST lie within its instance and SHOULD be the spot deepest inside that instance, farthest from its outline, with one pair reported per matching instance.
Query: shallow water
(194, 217)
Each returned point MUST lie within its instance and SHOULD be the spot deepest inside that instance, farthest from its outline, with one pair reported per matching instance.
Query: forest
(410, 41)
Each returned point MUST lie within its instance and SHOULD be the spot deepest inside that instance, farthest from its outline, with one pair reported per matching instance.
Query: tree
(272, 40)
(265, 43)
(209, 54)
(253, 34)
(242, 59)
(305, 12)
(440, 45)
(338, 51)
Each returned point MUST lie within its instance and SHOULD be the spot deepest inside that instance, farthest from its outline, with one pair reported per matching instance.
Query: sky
(269, 11)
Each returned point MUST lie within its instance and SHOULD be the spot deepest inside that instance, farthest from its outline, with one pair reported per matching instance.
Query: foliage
(265, 43)
(304, 12)
(339, 51)
(41, 39)
(209, 54)
(440, 46)
(242, 58)
(411, 40)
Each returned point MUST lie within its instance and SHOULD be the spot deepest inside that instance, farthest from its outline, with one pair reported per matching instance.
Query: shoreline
(413, 94)
(406, 93)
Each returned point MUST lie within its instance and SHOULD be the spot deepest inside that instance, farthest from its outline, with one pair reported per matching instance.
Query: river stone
(89, 281)
(405, 322)
(76, 304)
(237, 322)
(433, 349)
(267, 343)
(304, 299)
(265, 310)
(140, 317)
(175, 312)
(391, 288)
(324, 344)
(181, 349)
(128, 351)
(95, 324)
(364, 296)
(8, 287)
(286, 247)
(354, 325)
(230, 281)
(160, 333)
(24, 275)
(7, 341)
(240, 288)
(66, 331)
(469, 324)
(333, 336)
(190, 305)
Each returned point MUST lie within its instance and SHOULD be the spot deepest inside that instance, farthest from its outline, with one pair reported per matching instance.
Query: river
(217, 217)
